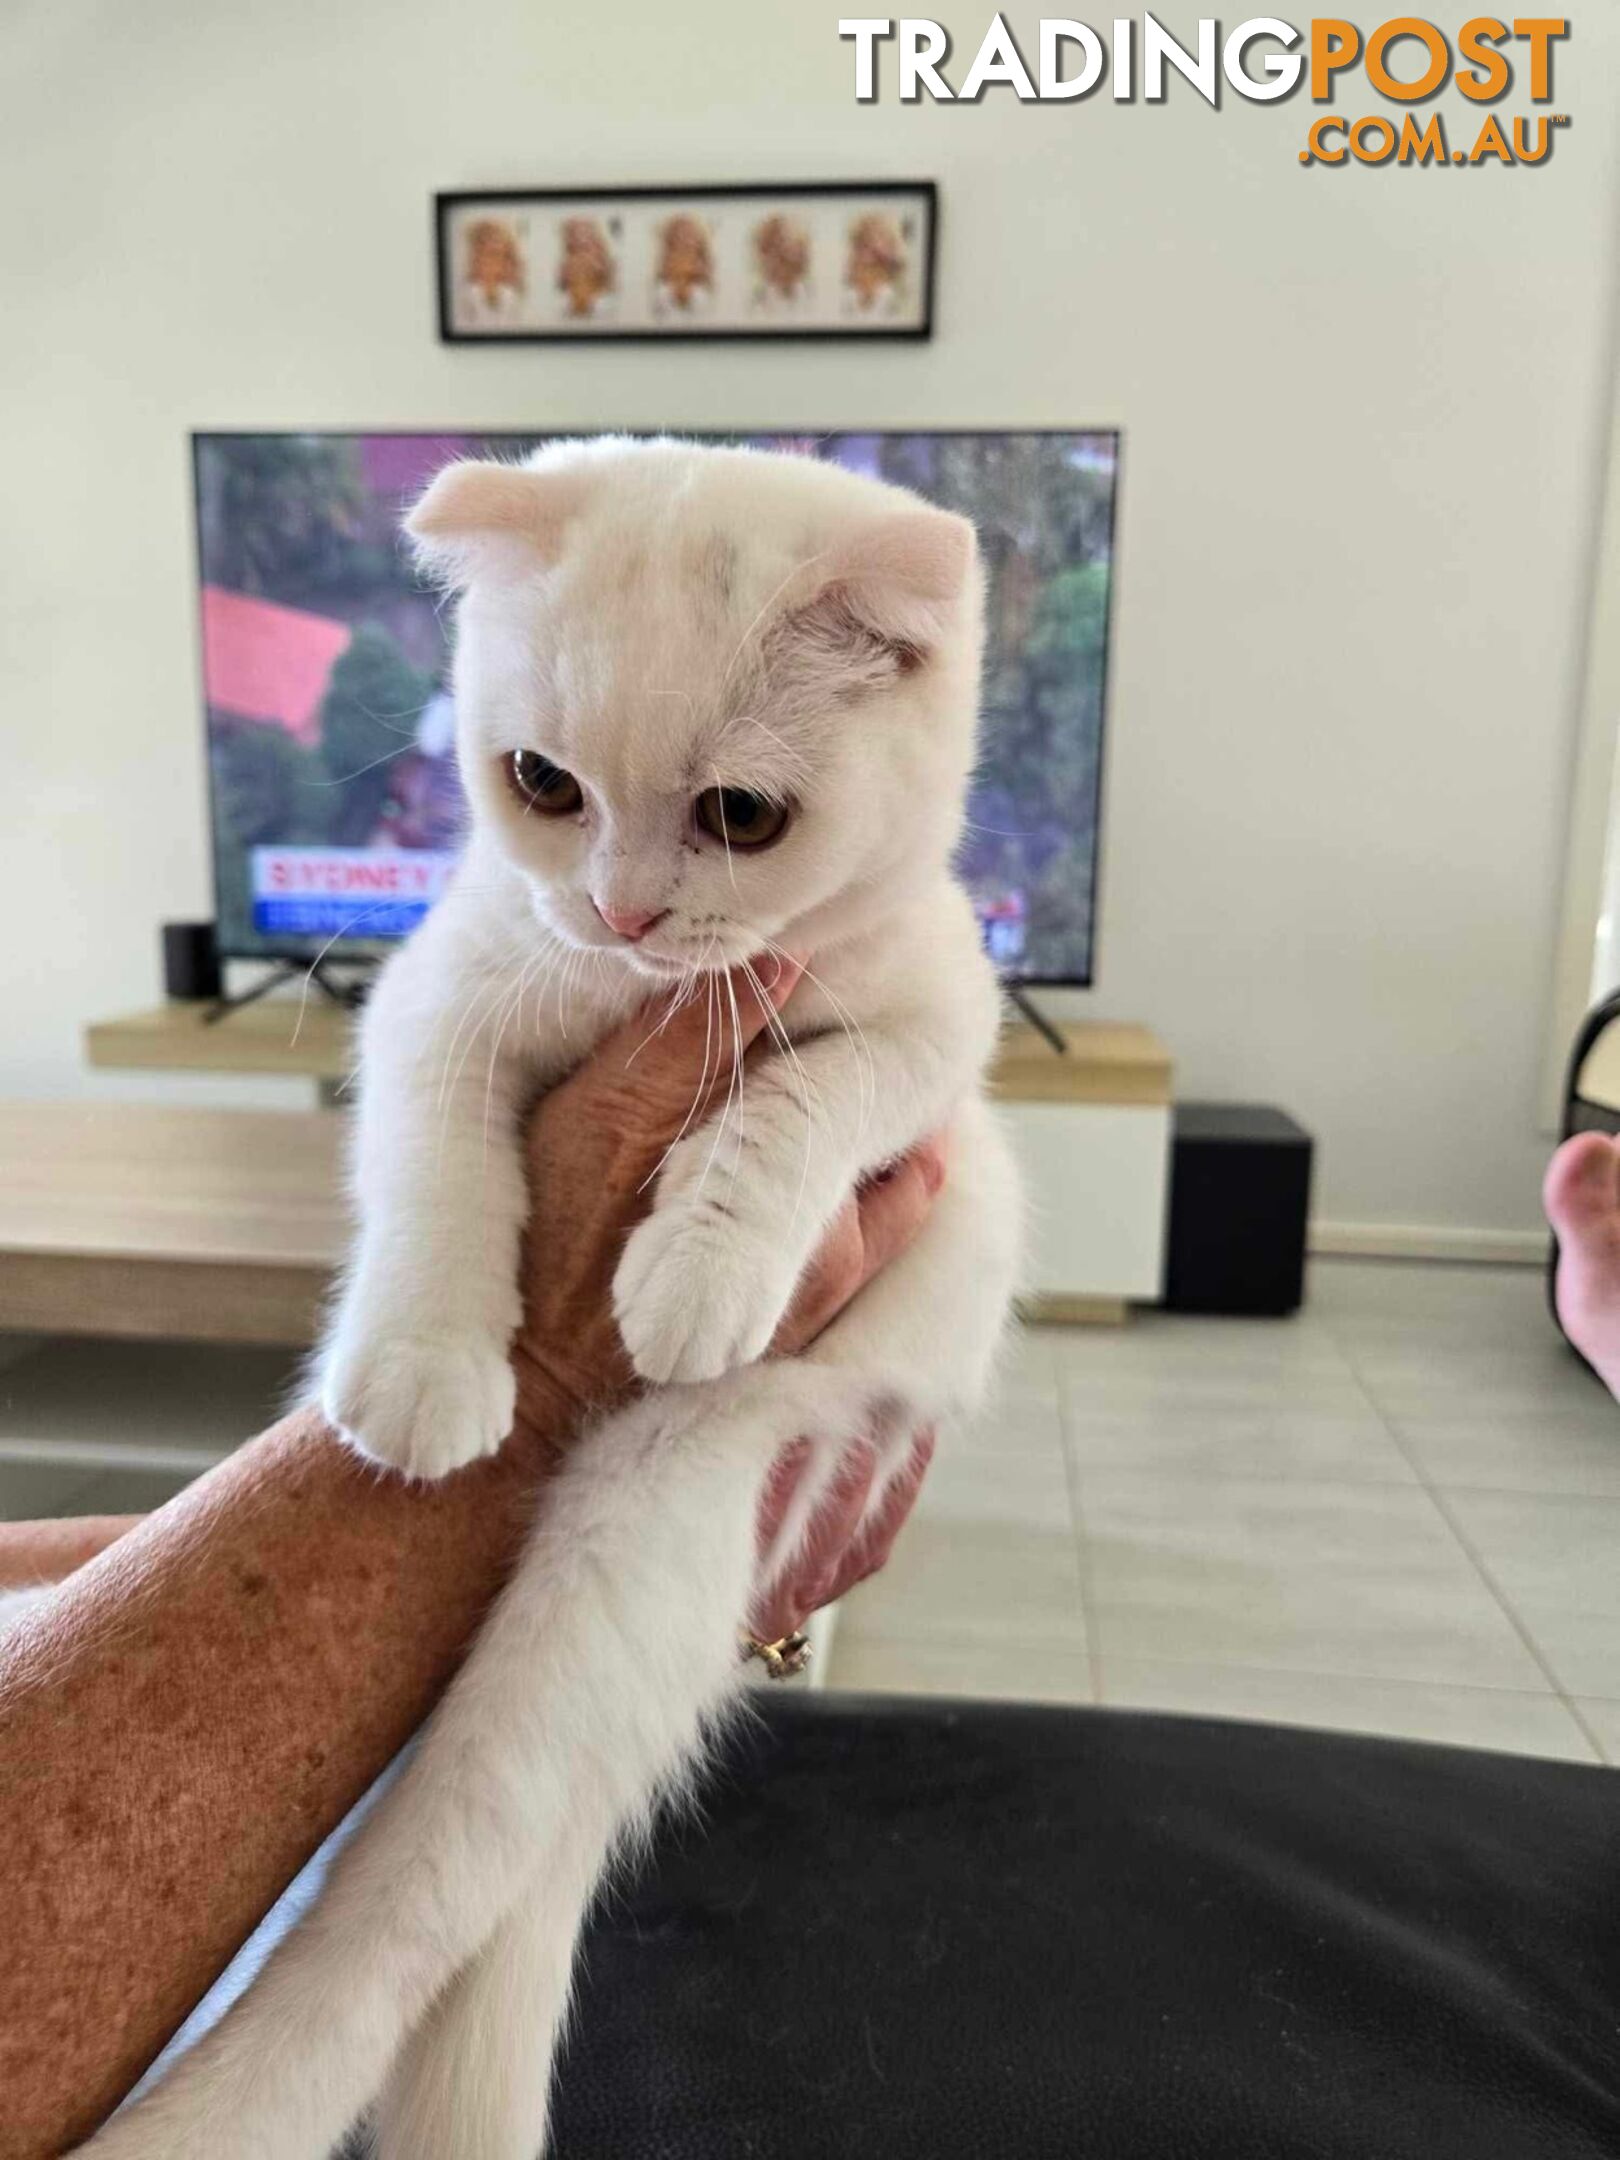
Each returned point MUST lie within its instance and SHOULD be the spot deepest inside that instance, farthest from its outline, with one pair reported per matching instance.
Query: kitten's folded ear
(877, 603)
(475, 515)
(902, 575)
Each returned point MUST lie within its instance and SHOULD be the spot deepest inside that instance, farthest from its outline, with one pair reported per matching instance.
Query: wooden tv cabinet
(225, 1225)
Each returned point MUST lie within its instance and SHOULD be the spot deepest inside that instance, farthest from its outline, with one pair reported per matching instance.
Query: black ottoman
(1240, 1197)
(918, 1931)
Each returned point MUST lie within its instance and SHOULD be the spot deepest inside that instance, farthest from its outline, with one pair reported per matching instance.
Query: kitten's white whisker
(309, 972)
(488, 1011)
(502, 977)
(741, 1071)
(731, 867)
(343, 779)
(722, 1122)
(512, 1006)
(781, 1037)
(700, 1094)
(485, 1001)
(851, 1027)
(464, 1011)
(477, 1002)
(685, 992)
(565, 990)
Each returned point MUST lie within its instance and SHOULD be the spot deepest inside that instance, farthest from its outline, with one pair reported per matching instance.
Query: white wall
(1364, 414)
(1588, 963)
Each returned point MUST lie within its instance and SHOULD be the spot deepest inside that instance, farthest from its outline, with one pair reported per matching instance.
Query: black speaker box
(190, 962)
(1240, 1196)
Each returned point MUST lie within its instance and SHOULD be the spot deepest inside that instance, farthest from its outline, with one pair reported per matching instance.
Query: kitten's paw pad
(696, 1296)
(420, 1407)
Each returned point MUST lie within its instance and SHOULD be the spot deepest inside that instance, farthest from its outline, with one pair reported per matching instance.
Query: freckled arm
(189, 1715)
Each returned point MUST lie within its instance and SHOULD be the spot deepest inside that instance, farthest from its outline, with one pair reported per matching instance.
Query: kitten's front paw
(696, 1295)
(421, 1407)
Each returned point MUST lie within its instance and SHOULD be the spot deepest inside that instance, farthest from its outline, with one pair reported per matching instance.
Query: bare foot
(1581, 1194)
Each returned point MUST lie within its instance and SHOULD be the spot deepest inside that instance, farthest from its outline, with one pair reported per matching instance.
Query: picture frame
(810, 259)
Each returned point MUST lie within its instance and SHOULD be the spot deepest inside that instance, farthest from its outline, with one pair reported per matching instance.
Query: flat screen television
(331, 735)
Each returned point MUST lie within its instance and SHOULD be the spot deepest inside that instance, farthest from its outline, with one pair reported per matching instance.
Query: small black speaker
(190, 961)
(1240, 1197)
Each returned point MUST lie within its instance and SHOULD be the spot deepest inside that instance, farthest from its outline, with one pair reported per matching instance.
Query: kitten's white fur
(654, 618)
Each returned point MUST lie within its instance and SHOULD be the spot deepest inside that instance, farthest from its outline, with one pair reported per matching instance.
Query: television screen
(331, 733)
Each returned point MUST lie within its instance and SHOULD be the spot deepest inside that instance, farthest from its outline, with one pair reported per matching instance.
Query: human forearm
(48, 1552)
(190, 1715)
(184, 1720)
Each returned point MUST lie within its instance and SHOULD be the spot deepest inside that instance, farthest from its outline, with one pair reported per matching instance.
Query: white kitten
(712, 704)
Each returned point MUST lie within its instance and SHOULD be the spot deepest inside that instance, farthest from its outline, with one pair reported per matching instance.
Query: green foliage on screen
(372, 705)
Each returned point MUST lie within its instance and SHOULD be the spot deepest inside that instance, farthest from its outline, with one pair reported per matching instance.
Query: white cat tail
(475, 2077)
(584, 1696)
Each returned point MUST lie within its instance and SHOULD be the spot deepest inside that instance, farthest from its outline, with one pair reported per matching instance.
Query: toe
(1582, 1194)
(1581, 1191)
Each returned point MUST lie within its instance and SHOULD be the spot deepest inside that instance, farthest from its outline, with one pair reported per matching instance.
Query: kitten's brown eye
(739, 817)
(542, 786)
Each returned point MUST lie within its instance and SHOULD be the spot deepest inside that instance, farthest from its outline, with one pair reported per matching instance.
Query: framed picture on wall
(819, 260)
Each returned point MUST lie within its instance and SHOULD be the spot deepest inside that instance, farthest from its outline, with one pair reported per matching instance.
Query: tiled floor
(1399, 1512)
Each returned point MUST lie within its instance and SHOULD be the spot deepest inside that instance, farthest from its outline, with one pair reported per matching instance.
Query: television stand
(1091, 1130)
(350, 995)
(1017, 995)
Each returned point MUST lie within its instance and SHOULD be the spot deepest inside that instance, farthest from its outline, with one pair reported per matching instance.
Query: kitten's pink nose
(631, 923)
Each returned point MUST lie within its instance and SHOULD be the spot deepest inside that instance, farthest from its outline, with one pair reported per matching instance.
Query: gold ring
(782, 1659)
